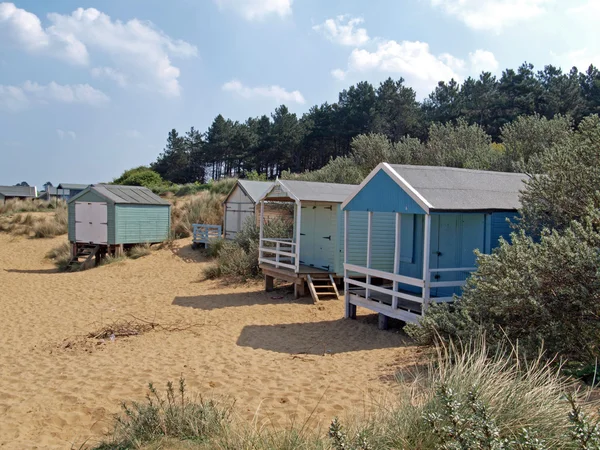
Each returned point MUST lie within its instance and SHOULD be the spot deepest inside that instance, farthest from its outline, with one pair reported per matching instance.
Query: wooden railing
(278, 252)
(203, 234)
(401, 279)
(455, 283)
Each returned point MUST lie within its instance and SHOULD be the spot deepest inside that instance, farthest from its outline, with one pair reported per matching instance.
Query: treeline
(283, 141)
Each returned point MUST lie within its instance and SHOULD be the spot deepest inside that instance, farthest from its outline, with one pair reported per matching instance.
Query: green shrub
(239, 258)
(172, 415)
(223, 186)
(544, 293)
(140, 176)
(191, 189)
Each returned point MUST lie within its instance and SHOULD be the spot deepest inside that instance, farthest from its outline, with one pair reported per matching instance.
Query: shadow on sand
(319, 338)
(209, 302)
(189, 255)
(40, 271)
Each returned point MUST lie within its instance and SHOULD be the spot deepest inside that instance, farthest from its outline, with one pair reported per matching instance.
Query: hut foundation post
(299, 289)
(383, 322)
(268, 283)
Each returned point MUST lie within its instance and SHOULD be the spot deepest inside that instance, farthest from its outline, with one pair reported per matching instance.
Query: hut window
(407, 238)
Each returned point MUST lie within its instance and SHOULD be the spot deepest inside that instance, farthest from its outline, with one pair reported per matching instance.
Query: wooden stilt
(383, 322)
(268, 283)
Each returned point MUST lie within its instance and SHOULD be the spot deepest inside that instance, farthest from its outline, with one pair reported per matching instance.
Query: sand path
(276, 357)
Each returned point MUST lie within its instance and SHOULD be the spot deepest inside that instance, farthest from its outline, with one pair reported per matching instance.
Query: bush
(534, 293)
(223, 186)
(140, 176)
(173, 415)
(139, 251)
(60, 255)
(239, 258)
(191, 189)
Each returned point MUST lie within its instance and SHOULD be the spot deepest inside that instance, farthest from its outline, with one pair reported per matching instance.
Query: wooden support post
(298, 234)
(369, 238)
(350, 311)
(397, 258)
(261, 231)
(299, 289)
(268, 283)
(383, 322)
(346, 293)
(426, 255)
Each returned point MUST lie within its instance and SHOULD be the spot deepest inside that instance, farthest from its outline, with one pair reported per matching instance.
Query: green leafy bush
(140, 176)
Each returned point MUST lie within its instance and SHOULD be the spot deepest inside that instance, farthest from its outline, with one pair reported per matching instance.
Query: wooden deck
(298, 279)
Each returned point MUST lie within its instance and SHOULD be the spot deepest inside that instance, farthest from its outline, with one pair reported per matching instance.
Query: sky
(88, 90)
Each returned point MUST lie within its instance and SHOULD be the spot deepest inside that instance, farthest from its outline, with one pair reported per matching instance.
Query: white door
(91, 222)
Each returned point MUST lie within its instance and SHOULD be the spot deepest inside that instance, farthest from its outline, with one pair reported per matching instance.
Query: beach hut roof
(452, 189)
(253, 189)
(128, 195)
(18, 191)
(310, 191)
(74, 186)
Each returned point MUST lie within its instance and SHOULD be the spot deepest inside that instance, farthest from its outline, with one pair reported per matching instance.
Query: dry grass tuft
(60, 255)
(139, 251)
(34, 225)
(205, 207)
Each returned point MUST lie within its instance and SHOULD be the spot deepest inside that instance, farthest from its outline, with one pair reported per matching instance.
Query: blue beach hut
(439, 216)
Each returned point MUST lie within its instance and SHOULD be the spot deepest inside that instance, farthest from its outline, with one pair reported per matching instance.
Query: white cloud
(273, 92)
(257, 9)
(62, 134)
(483, 61)
(343, 30)
(140, 53)
(111, 74)
(412, 60)
(494, 15)
(338, 74)
(17, 98)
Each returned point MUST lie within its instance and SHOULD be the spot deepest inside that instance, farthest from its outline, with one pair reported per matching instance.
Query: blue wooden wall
(382, 194)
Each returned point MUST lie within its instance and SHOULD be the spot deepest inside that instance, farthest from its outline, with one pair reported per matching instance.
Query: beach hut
(69, 190)
(313, 256)
(440, 216)
(17, 192)
(241, 203)
(106, 219)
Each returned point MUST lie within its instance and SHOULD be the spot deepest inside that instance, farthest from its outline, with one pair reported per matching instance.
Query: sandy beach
(280, 359)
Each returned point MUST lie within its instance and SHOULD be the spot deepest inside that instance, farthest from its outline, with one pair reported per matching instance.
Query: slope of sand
(278, 358)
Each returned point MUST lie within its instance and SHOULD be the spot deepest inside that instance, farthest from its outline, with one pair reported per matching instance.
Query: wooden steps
(321, 286)
(85, 257)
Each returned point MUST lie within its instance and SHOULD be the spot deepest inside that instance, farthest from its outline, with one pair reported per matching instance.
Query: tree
(397, 112)
(173, 163)
(568, 184)
(139, 176)
(529, 137)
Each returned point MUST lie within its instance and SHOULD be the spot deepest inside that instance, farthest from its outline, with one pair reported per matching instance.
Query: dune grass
(205, 207)
(139, 251)
(60, 255)
(19, 218)
(464, 398)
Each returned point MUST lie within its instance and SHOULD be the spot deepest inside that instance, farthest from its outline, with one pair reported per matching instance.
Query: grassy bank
(464, 398)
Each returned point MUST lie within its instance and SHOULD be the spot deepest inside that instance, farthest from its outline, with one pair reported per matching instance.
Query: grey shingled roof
(17, 191)
(74, 186)
(255, 189)
(131, 195)
(451, 189)
(311, 191)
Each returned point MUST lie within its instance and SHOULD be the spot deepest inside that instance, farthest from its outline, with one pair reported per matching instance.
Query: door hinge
(302, 234)
(327, 237)
(325, 267)
(437, 276)
(330, 208)
(315, 207)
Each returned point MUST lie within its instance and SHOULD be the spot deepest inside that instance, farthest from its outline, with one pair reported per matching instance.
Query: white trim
(346, 293)
(398, 231)
(458, 269)
(400, 314)
(426, 256)
(370, 287)
(369, 239)
(385, 275)
(406, 187)
(298, 233)
(278, 182)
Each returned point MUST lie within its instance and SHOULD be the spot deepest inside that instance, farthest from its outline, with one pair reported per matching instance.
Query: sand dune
(278, 358)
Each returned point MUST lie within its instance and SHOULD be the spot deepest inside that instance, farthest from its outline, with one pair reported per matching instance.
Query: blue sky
(88, 90)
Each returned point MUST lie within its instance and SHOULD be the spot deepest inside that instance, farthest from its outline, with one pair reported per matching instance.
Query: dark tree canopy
(282, 141)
